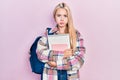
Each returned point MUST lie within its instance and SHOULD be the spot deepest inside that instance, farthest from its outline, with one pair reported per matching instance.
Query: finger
(67, 49)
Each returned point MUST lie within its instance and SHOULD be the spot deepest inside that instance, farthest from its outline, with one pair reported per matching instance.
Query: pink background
(21, 21)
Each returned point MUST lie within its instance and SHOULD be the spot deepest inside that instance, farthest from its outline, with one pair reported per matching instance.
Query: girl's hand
(68, 53)
(52, 64)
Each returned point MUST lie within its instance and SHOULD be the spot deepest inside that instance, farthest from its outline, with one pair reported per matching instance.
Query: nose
(62, 18)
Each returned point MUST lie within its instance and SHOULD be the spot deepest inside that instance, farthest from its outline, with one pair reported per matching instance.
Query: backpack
(36, 65)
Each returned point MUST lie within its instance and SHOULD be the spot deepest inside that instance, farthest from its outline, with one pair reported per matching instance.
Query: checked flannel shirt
(71, 64)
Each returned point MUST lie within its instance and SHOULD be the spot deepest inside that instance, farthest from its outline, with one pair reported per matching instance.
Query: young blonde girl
(72, 59)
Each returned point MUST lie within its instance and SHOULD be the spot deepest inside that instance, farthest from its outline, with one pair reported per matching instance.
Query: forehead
(61, 11)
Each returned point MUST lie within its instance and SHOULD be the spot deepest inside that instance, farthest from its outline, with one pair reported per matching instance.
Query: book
(59, 42)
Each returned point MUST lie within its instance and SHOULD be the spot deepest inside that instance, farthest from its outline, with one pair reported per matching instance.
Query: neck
(62, 30)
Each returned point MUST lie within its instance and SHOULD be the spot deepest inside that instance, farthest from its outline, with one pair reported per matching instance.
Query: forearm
(58, 58)
(43, 55)
(77, 60)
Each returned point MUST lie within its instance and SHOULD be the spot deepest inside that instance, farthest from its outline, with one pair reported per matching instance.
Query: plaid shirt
(71, 64)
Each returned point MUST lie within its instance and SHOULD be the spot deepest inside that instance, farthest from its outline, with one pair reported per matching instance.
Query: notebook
(59, 42)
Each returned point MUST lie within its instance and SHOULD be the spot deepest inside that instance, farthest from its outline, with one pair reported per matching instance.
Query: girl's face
(61, 17)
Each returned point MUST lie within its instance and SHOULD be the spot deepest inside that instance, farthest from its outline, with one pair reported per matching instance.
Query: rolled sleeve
(77, 59)
(42, 50)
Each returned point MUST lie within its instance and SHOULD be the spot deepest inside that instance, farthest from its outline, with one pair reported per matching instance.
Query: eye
(58, 15)
(65, 15)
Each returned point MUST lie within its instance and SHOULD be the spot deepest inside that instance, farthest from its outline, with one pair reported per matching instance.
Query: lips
(61, 23)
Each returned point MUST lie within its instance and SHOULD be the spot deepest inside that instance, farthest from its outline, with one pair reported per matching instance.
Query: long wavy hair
(70, 27)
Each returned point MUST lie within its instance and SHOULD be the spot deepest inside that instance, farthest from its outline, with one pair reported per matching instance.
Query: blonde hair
(71, 30)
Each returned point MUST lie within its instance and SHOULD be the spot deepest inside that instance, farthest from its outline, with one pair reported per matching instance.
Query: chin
(61, 26)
